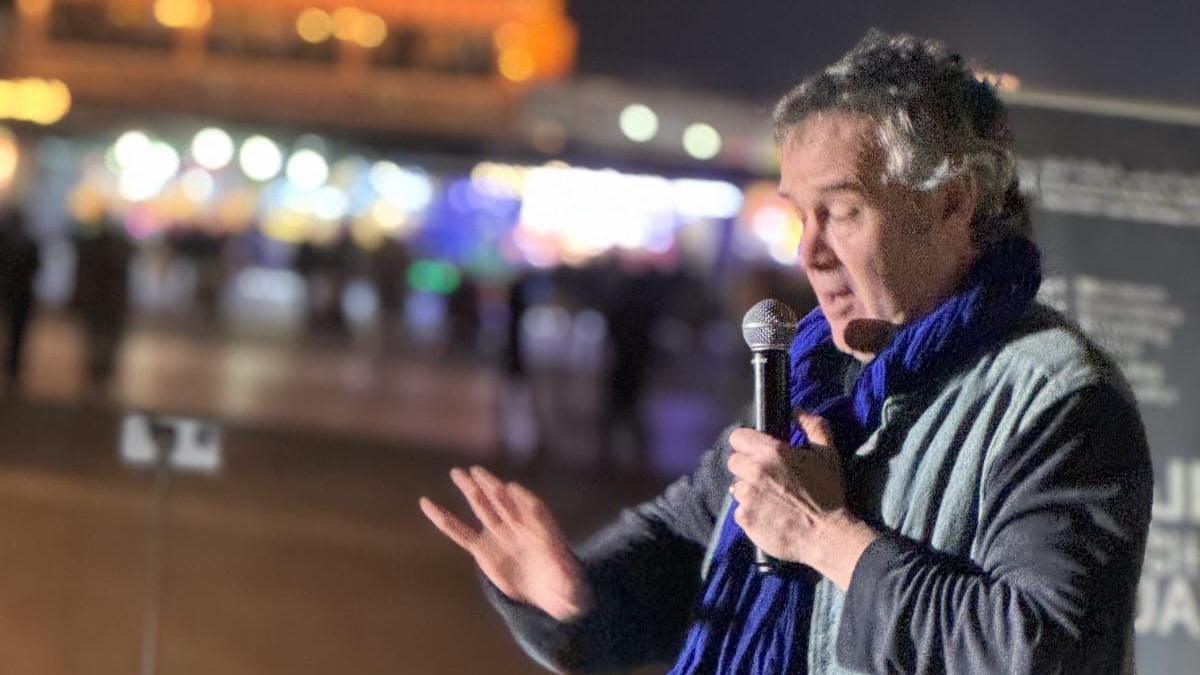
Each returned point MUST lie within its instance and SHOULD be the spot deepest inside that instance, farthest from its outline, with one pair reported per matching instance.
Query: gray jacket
(1013, 497)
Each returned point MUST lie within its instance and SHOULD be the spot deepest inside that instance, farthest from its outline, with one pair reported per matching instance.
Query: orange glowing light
(314, 25)
(34, 100)
(49, 101)
(371, 31)
(25, 102)
(516, 65)
(346, 21)
(183, 13)
(351, 24)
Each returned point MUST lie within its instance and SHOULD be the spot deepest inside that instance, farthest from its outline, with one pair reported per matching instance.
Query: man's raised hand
(519, 547)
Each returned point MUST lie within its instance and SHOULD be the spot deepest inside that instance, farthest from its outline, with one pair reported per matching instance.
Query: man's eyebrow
(840, 186)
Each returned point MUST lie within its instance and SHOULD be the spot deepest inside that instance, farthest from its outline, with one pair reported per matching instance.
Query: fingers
(744, 516)
(527, 499)
(816, 428)
(452, 527)
(745, 467)
(501, 500)
(480, 504)
(530, 504)
(741, 489)
(498, 504)
(755, 444)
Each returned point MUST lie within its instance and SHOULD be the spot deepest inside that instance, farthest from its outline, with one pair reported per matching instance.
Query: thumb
(816, 428)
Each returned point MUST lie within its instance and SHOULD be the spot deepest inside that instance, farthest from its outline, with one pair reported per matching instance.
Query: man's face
(877, 255)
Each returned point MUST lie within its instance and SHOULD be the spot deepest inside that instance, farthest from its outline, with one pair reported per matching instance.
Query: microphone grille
(769, 325)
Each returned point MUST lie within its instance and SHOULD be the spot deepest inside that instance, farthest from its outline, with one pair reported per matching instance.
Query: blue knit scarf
(757, 624)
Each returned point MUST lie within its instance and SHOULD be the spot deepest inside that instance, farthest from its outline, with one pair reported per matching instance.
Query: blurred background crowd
(376, 184)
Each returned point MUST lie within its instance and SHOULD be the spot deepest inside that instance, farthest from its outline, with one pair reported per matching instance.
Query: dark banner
(1117, 213)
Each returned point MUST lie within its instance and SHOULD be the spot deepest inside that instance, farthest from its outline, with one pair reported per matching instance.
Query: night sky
(756, 48)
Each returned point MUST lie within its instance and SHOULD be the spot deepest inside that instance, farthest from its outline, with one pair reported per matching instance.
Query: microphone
(769, 328)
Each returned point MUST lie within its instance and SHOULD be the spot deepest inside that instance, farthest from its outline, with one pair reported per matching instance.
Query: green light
(434, 276)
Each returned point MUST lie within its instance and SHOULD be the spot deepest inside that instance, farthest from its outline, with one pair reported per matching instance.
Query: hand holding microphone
(791, 502)
(769, 328)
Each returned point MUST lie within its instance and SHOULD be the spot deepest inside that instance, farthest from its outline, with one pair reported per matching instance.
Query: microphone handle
(772, 415)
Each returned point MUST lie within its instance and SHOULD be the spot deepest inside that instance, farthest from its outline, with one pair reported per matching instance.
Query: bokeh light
(212, 149)
(146, 166)
(48, 101)
(307, 169)
(699, 198)
(130, 148)
(701, 141)
(408, 189)
(434, 276)
(516, 64)
(197, 184)
(331, 203)
(390, 218)
(183, 13)
(314, 25)
(32, 99)
(260, 158)
(371, 32)
(346, 22)
(639, 123)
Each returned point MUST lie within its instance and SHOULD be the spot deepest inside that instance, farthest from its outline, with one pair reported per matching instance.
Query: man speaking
(967, 486)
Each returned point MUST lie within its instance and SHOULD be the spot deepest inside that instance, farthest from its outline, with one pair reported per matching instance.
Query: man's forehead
(829, 152)
(834, 127)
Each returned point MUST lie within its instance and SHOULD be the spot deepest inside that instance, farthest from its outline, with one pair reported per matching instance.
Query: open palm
(519, 548)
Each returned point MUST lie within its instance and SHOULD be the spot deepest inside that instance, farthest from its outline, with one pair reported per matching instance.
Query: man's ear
(958, 200)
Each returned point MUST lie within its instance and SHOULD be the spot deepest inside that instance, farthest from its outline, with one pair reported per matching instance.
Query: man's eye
(846, 214)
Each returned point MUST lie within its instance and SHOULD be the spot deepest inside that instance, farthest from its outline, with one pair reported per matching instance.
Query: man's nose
(815, 252)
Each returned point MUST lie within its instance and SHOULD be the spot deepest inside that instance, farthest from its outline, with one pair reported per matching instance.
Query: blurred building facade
(454, 67)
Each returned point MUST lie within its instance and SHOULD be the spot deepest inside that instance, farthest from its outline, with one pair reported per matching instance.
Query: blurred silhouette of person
(520, 432)
(347, 262)
(463, 309)
(19, 263)
(514, 360)
(631, 316)
(307, 263)
(388, 266)
(204, 250)
(102, 298)
(326, 271)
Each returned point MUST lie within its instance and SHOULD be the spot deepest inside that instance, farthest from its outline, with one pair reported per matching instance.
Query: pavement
(305, 553)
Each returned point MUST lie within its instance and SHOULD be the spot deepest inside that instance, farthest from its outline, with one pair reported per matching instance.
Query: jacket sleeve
(1063, 519)
(645, 572)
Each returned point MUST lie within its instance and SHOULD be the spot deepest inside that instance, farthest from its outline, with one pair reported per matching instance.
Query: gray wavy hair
(935, 122)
